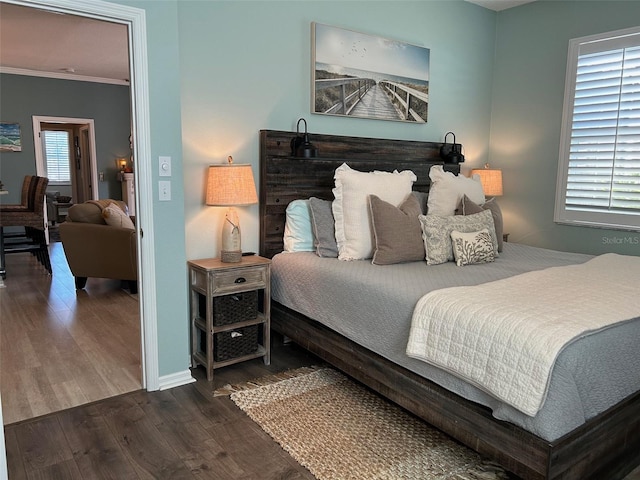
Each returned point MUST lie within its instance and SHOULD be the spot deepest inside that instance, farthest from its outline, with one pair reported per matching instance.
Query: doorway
(71, 167)
(135, 21)
(83, 171)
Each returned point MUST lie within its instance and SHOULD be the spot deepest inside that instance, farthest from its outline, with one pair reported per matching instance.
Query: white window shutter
(599, 169)
(57, 156)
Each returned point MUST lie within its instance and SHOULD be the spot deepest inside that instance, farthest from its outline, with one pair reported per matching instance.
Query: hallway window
(57, 148)
(599, 167)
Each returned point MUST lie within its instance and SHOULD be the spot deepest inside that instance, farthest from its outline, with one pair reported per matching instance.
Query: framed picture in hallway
(10, 140)
(366, 76)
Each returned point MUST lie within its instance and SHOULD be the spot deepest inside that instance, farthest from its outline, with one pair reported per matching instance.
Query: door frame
(84, 122)
(86, 137)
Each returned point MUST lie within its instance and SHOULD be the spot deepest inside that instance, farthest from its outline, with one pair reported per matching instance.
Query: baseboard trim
(175, 380)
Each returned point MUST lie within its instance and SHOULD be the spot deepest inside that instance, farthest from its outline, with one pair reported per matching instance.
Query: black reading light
(451, 152)
(301, 146)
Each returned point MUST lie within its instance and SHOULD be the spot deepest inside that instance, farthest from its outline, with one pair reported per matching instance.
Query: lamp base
(231, 256)
(231, 251)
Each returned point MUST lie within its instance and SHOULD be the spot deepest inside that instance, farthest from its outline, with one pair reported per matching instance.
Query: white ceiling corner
(498, 5)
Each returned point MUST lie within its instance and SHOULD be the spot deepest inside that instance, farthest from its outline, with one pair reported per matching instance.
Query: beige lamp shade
(491, 179)
(231, 185)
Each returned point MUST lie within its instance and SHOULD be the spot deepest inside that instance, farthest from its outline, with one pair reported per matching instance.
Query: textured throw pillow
(116, 217)
(324, 228)
(436, 233)
(298, 236)
(473, 247)
(447, 189)
(467, 207)
(396, 230)
(350, 207)
(87, 212)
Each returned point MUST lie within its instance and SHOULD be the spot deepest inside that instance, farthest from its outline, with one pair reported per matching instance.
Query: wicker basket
(234, 308)
(235, 343)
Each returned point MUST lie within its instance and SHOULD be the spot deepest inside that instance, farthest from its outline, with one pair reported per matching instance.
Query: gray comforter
(373, 305)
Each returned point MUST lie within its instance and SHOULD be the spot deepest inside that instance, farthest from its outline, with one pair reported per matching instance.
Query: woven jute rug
(338, 429)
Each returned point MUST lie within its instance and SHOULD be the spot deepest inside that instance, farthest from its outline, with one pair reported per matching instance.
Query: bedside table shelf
(201, 323)
(261, 352)
(210, 279)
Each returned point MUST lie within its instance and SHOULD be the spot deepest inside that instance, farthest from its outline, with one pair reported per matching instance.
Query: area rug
(338, 429)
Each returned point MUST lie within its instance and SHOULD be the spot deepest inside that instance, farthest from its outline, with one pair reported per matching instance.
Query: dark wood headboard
(284, 178)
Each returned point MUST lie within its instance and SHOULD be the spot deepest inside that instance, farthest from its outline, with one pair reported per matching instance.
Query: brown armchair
(95, 249)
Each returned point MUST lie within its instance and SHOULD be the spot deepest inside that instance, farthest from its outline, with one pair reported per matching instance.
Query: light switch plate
(164, 166)
(164, 190)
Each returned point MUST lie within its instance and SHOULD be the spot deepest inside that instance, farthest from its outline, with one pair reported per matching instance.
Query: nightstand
(229, 306)
(505, 237)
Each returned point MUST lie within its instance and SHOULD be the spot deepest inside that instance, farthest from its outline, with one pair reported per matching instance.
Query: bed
(606, 446)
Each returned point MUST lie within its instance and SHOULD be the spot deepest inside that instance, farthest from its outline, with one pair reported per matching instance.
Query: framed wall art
(365, 76)
(10, 140)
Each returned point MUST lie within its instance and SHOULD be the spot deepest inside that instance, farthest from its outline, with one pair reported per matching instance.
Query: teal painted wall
(246, 66)
(22, 97)
(219, 71)
(528, 92)
(168, 217)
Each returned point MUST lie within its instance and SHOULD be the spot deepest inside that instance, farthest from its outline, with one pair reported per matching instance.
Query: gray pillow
(422, 197)
(468, 207)
(396, 231)
(324, 228)
(436, 233)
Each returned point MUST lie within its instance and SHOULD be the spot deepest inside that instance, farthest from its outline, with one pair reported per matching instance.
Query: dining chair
(24, 196)
(30, 216)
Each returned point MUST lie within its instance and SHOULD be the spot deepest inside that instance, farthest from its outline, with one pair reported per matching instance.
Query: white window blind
(599, 169)
(56, 151)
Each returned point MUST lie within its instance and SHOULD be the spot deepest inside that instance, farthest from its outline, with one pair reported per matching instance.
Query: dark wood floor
(184, 432)
(181, 433)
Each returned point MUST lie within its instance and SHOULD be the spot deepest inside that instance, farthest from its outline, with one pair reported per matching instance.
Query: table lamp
(491, 180)
(231, 185)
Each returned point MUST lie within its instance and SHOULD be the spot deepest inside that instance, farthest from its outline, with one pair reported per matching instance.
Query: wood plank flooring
(182, 433)
(60, 347)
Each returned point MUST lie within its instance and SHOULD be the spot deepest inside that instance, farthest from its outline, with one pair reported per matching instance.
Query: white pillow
(446, 191)
(298, 235)
(354, 234)
(116, 217)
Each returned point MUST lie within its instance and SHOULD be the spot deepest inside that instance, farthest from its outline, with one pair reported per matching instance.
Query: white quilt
(504, 336)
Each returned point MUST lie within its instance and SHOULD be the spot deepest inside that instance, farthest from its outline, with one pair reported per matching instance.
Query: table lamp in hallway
(231, 185)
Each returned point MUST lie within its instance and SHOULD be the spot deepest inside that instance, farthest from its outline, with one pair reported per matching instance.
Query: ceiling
(40, 42)
(46, 43)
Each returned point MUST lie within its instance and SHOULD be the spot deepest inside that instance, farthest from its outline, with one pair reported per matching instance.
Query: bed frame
(606, 447)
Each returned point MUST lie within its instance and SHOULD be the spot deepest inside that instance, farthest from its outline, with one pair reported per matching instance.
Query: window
(599, 166)
(56, 153)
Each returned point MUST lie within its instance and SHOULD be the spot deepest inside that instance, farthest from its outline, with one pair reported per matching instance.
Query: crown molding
(60, 75)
